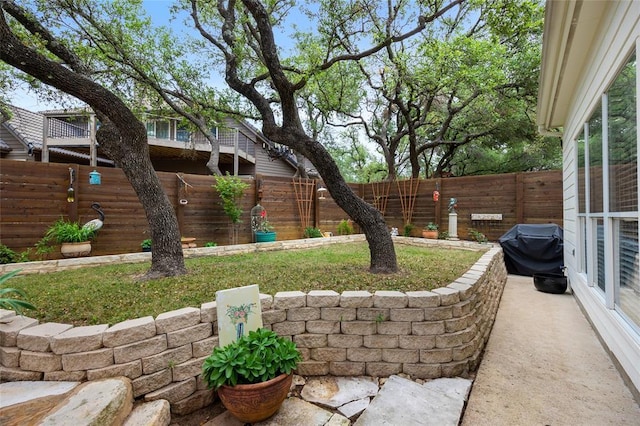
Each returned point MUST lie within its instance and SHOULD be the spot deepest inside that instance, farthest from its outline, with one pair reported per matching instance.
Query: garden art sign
(239, 312)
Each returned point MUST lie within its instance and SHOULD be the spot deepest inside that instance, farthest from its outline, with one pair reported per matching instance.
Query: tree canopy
(435, 85)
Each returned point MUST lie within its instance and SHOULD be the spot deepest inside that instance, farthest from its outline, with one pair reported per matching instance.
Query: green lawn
(110, 294)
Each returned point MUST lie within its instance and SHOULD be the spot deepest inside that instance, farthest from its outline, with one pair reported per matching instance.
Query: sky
(159, 12)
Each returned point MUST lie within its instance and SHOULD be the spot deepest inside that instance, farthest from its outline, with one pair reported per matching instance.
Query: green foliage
(477, 235)
(431, 226)
(10, 256)
(7, 255)
(257, 357)
(146, 243)
(265, 226)
(406, 229)
(10, 303)
(231, 189)
(345, 227)
(311, 232)
(443, 235)
(63, 231)
(210, 244)
(43, 248)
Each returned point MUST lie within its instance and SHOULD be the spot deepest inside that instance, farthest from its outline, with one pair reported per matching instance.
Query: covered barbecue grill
(533, 249)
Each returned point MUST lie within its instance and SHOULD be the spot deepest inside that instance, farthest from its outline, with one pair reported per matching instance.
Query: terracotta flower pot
(430, 234)
(258, 401)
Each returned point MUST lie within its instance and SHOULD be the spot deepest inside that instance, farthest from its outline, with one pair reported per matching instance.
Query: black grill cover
(533, 249)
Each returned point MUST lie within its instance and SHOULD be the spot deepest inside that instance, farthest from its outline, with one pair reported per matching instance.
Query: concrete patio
(544, 365)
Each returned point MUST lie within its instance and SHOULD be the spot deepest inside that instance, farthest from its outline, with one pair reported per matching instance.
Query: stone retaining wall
(425, 334)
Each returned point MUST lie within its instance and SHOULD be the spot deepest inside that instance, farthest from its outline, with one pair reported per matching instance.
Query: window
(182, 135)
(623, 155)
(151, 129)
(594, 139)
(607, 190)
(162, 129)
(628, 270)
(158, 129)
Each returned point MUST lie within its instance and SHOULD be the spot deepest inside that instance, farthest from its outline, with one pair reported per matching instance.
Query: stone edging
(425, 334)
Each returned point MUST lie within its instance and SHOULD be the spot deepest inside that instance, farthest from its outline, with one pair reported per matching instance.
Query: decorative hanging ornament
(436, 195)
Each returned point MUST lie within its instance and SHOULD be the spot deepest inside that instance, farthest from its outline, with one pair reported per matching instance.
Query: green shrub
(345, 227)
(311, 232)
(7, 255)
(477, 235)
(230, 189)
(407, 230)
(210, 244)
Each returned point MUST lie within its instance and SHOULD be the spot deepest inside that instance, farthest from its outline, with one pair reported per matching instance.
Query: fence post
(519, 198)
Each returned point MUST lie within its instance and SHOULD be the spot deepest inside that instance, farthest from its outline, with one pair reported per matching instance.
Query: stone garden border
(425, 334)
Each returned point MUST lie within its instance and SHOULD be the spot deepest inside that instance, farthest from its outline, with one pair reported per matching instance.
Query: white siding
(569, 219)
(618, 33)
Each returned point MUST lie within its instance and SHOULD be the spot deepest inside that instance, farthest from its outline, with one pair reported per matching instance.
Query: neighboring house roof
(25, 125)
(274, 150)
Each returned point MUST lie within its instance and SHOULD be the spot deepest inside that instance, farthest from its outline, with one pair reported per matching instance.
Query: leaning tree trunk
(167, 257)
(381, 249)
(121, 135)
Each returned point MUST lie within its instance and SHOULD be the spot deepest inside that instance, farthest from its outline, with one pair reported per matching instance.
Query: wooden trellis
(380, 192)
(305, 194)
(408, 191)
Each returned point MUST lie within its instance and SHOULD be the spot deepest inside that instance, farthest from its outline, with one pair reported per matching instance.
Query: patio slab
(544, 365)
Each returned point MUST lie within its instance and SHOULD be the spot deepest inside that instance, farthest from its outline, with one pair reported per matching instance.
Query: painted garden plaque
(239, 312)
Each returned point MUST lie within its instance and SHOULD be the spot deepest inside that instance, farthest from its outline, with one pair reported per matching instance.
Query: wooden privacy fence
(34, 195)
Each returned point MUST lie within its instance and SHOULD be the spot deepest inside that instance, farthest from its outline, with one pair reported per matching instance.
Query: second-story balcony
(166, 137)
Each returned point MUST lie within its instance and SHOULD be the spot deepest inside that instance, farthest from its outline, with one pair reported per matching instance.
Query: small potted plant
(253, 374)
(430, 231)
(74, 239)
(146, 244)
(264, 230)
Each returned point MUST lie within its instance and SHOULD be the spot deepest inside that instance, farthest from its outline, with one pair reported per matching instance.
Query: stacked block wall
(425, 334)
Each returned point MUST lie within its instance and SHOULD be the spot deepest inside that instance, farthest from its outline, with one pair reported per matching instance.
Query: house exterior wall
(617, 35)
(18, 150)
(265, 166)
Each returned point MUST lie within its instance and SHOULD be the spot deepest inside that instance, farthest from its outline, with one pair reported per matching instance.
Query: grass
(111, 294)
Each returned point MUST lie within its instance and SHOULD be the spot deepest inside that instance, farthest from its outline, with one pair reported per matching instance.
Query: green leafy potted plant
(264, 230)
(145, 245)
(253, 374)
(74, 239)
(430, 231)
